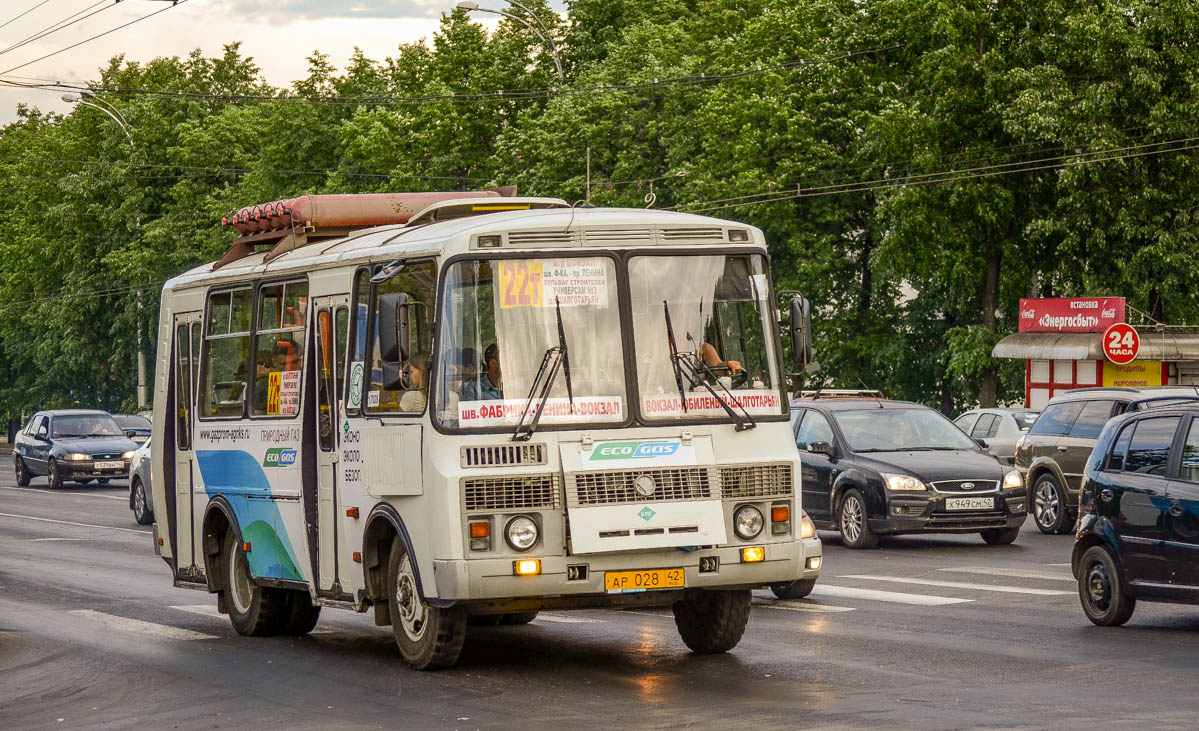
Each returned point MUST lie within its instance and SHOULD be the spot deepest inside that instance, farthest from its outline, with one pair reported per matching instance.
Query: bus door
(332, 331)
(186, 348)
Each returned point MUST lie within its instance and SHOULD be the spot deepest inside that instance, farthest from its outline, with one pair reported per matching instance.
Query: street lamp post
(544, 33)
(95, 102)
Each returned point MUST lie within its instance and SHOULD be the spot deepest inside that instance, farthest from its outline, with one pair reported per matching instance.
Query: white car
(997, 429)
(140, 501)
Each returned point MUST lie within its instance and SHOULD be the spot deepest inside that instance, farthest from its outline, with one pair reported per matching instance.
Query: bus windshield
(499, 319)
(719, 331)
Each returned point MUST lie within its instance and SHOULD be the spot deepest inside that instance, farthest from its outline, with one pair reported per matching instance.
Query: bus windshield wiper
(674, 356)
(555, 358)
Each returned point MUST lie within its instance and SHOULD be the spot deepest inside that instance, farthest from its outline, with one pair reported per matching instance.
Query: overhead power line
(22, 15)
(175, 4)
(55, 27)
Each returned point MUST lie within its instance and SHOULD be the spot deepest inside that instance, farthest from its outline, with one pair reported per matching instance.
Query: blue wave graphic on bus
(238, 477)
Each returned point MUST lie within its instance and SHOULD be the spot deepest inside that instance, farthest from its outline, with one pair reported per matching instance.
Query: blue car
(72, 445)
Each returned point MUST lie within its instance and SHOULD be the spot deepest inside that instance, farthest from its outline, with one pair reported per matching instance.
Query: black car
(135, 427)
(1138, 534)
(72, 445)
(872, 467)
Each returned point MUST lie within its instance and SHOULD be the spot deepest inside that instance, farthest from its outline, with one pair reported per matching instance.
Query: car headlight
(521, 533)
(902, 482)
(77, 457)
(129, 454)
(748, 522)
(807, 529)
(1013, 480)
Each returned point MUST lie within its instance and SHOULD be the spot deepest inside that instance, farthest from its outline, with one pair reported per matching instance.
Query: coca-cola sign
(1070, 314)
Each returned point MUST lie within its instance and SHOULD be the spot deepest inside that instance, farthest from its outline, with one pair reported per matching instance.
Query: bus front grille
(502, 455)
(751, 481)
(612, 488)
(509, 493)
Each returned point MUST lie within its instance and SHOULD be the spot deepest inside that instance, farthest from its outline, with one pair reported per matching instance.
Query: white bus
(451, 409)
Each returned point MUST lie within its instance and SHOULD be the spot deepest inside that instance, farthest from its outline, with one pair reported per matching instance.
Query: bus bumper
(562, 577)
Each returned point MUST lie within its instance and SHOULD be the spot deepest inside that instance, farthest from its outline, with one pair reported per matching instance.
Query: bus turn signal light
(480, 529)
(245, 547)
(753, 554)
(526, 567)
(351, 512)
(780, 514)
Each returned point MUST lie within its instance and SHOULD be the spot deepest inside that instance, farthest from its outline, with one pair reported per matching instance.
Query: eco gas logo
(634, 450)
(279, 457)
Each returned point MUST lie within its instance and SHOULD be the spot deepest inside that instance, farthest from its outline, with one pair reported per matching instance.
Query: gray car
(998, 428)
(140, 500)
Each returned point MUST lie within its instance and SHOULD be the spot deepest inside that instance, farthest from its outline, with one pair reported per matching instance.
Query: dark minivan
(1138, 536)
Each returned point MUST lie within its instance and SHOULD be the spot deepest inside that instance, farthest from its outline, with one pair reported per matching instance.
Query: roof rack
(288, 224)
(842, 393)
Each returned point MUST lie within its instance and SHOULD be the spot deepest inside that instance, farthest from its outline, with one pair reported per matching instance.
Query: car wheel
(794, 590)
(141, 510)
(1000, 536)
(21, 470)
(712, 621)
(853, 523)
(428, 637)
(1101, 591)
(1049, 509)
(53, 476)
(254, 610)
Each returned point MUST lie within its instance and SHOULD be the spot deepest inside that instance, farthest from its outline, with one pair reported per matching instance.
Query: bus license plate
(969, 503)
(109, 465)
(620, 582)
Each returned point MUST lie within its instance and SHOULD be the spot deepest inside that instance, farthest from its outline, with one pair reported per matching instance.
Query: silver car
(140, 501)
(997, 429)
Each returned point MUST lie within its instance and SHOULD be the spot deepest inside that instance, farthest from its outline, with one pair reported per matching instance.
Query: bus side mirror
(394, 335)
(801, 331)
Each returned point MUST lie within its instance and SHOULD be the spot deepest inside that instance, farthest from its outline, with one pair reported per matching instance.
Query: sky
(278, 34)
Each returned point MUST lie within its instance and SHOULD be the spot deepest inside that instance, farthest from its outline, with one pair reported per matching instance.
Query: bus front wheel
(428, 637)
(712, 621)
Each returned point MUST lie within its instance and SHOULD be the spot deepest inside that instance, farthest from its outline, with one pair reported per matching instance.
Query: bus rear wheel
(428, 637)
(712, 621)
(254, 610)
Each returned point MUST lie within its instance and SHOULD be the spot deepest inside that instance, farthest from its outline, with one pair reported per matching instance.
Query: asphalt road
(926, 632)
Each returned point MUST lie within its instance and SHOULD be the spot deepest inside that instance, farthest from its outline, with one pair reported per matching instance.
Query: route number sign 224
(1121, 343)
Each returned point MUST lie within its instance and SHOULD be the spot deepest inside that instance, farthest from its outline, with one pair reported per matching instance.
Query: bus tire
(712, 621)
(797, 589)
(428, 637)
(254, 610)
(301, 614)
(518, 618)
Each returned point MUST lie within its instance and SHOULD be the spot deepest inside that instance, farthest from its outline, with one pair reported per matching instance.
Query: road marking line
(796, 605)
(37, 540)
(210, 610)
(1018, 573)
(142, 628)
(67, 522)
(847, 592)
(646, 614)
(566, 619)
(60, 492)
(962, 585)
(1057, 564)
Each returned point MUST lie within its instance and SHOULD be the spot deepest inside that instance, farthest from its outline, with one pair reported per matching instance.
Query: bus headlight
(747, 522)
(521, 533)
(807, 529)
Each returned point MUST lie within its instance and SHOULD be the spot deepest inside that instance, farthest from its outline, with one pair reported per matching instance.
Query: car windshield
(86, 425)
(129, 421)
(900, 430)
(1025, 419)
(502, 318)
(720, 320)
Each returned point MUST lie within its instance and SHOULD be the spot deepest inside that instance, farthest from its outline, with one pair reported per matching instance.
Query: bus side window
(416, 280)
(356, 357)
(227, 355)
(282, 315)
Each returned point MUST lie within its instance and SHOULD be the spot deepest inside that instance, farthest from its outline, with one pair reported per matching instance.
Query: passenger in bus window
(490, 384)
(413, 400)
(712, 359)
(468, 372)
